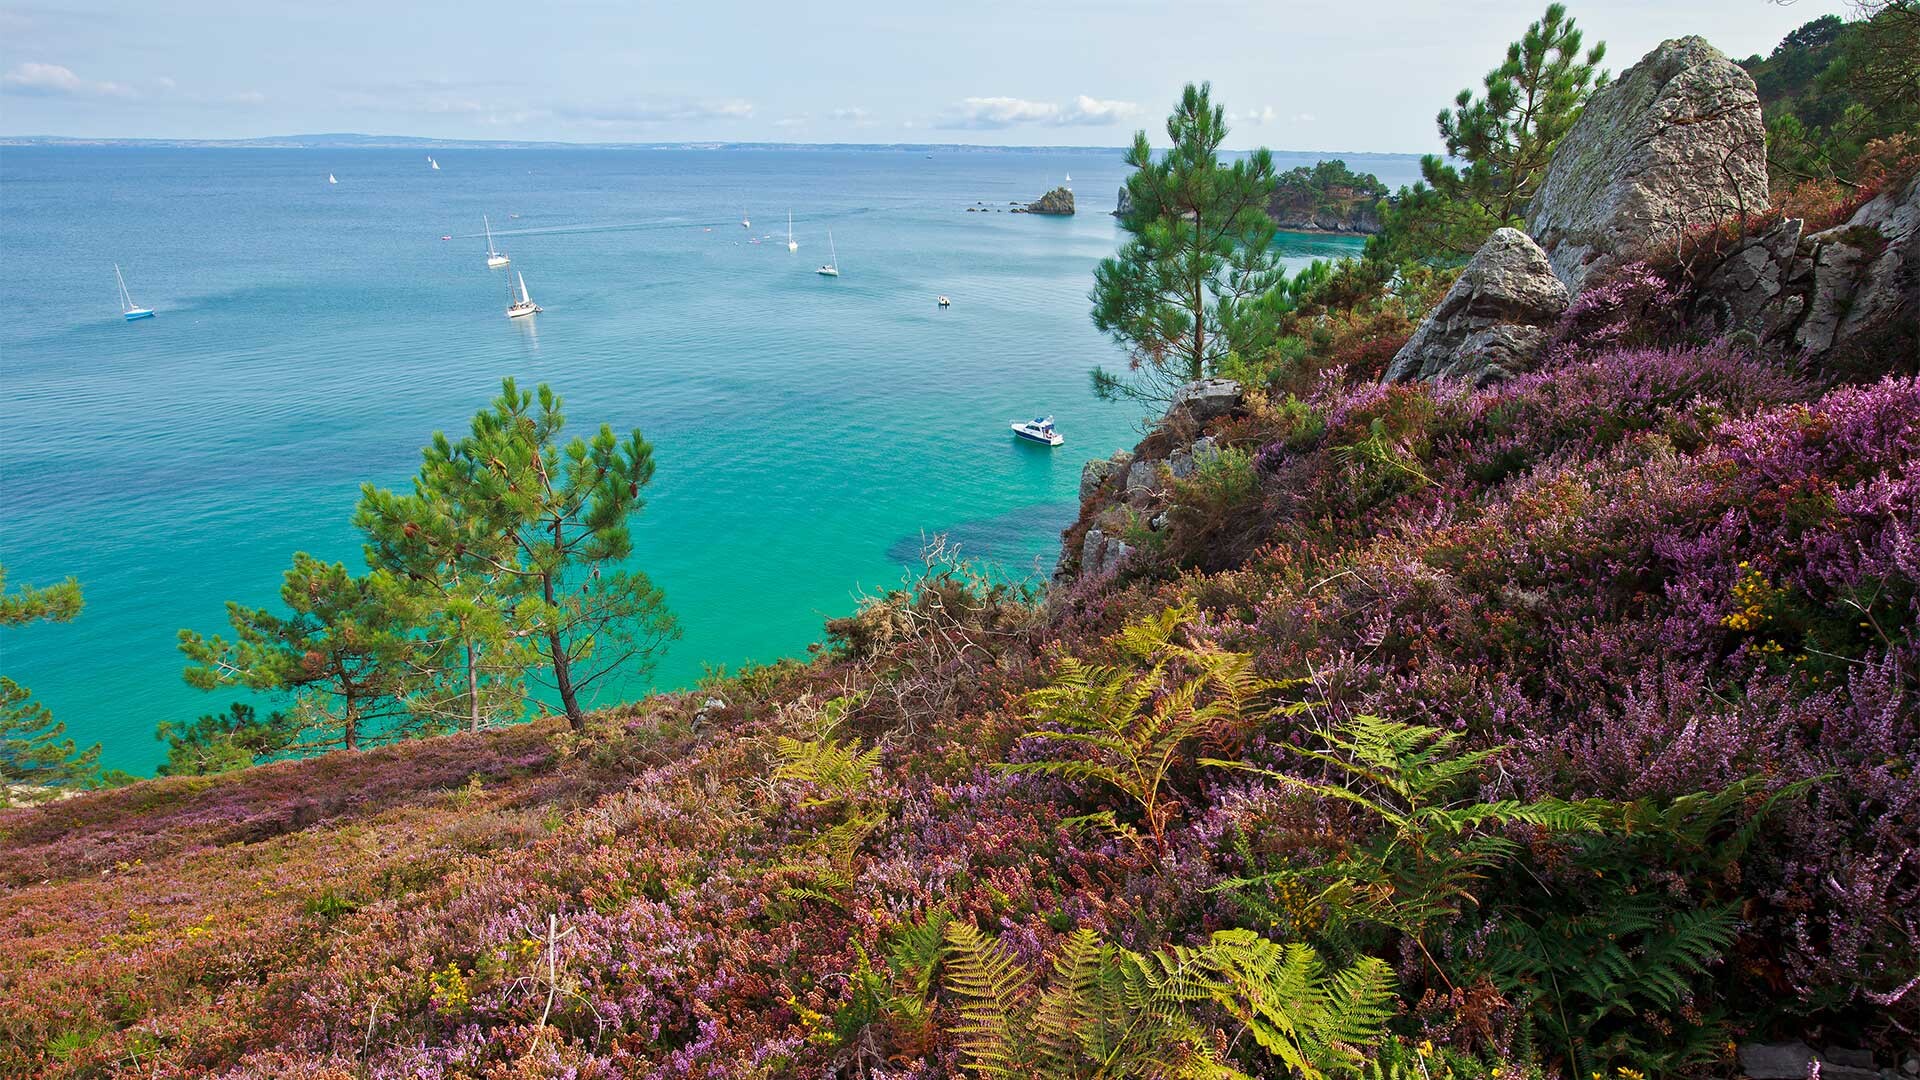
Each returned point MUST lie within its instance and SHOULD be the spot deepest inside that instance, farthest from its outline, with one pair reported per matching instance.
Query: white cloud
(52, 80)
(993, 113)
(1086, 110)
(791, 121)
(853, 114)
(1304, 118)
(1263, 115)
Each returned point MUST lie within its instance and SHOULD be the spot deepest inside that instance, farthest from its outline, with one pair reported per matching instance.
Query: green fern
(1431, 850)
(992, 989)
(1129, 726)
(1110, 1013)
(1613, 966)
(839, 778)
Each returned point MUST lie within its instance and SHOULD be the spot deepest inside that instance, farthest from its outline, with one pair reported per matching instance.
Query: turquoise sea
(310, 336)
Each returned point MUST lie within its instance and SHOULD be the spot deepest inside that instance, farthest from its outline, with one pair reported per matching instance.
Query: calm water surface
(310, 337)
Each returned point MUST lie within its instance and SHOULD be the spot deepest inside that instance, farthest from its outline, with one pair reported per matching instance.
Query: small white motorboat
(1039, 429)
(944, 302)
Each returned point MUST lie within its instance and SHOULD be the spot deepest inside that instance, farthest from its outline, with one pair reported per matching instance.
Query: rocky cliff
(1675, 145)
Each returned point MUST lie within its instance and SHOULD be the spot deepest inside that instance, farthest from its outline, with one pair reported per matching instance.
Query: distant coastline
(351, 141)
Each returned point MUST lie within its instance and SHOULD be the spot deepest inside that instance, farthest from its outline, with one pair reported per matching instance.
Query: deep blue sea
(311, 337)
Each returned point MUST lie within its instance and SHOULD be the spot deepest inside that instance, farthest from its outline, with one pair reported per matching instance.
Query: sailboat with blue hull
(127, 307)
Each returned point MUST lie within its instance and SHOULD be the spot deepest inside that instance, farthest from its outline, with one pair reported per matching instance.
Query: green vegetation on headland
(1515, 673)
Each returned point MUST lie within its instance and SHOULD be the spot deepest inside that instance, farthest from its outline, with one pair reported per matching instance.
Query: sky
(1293, 74)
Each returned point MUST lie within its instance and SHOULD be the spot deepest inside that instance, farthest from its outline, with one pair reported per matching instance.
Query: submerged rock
(1057, 201)
(1676, 143)
(1493, 322)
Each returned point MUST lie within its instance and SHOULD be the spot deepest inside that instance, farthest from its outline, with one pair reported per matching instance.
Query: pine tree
(546, 524)
(221, 742)
(479, 640)
(347, 654)
(1504, 141)
(1197, 279)
(35, 756)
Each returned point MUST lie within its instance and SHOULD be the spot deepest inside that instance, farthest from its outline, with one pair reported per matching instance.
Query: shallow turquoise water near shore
(311, 337)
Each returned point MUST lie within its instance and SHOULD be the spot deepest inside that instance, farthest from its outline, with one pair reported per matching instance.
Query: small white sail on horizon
(432, 164)
(495, 259)
(518, 306)
(792, 245)
(128, 308)
(331, 180)
(832, 267)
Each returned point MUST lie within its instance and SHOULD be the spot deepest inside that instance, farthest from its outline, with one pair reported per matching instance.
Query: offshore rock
(1493, 322)
(1057, 201)
(1675, 144)
(1124, 204)
(1206, 399)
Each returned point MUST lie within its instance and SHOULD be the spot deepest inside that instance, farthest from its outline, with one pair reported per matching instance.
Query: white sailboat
(792, 245)
(521, 304)
(746, 222)
(832, 267)
(331, 180)
(127, 307)
(495, 259)
(432, 164)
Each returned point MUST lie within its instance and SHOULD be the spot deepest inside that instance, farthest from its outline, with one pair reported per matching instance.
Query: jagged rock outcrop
(1493, 322)
(1101, 554)
(1205, 399)
(1057, 201)
(1123, 205)
(1676, 143)
(1094, 473)
(1811, 293)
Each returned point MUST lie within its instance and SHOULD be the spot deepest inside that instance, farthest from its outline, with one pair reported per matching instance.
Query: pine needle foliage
(1109, 1012)
(36, 757)
(1130, 726)
(1431, 846)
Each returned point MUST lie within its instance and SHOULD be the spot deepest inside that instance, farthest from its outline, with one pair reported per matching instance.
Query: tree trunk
(562, 673)
(473, 691)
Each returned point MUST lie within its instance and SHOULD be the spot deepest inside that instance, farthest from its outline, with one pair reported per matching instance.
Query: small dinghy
(1039, 429)
(944, 302)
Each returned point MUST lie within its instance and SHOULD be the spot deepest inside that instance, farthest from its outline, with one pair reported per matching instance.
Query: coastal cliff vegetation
(1553, 717)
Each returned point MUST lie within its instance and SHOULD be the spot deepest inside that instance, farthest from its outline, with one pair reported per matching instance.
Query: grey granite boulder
(1493, 322)
(1123, 205)
(1058, 201)
(1101, 554)
(1775, 1061)
(1096, 472)
(1675, 144)
(1865, 271)
(1142, 476)
(1207, 399)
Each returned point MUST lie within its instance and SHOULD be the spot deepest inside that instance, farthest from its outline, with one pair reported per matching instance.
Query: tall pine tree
(1503, 141)
(36, 758)
(1197, 279)
(544, 523)
(348, 654)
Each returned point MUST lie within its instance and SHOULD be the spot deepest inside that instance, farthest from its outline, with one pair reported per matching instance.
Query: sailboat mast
(126, 299)
(487, 225)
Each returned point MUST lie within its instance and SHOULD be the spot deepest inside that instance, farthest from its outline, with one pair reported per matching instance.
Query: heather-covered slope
(1649, 574)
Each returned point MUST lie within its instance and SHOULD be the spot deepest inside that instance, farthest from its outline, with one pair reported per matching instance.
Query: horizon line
(314, 140)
